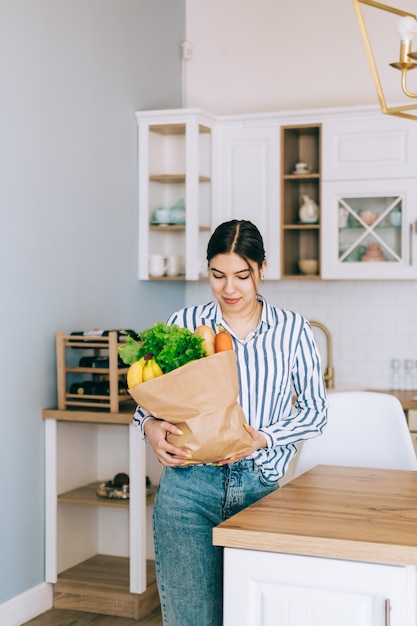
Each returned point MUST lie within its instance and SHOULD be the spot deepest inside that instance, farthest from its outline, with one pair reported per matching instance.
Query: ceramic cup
(302, 168)
(157, 265)
(174, 265)
(395, 218)
(162, 216)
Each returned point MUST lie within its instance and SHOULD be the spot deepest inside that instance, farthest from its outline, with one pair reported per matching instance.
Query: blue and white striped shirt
(277, 361)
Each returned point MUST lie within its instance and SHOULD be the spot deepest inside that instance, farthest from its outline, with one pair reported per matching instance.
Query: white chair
(364, 429)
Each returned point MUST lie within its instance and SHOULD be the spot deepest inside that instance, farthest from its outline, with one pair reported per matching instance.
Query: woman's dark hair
(238, 236)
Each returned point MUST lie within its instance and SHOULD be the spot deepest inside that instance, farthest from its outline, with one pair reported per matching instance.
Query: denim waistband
(242, 464)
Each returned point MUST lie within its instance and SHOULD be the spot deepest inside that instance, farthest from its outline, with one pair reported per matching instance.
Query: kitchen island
(335, 547)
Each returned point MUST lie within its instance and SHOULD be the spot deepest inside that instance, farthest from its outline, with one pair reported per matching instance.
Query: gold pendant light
(406, 28)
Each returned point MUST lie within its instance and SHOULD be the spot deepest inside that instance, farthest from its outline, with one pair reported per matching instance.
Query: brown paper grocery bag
(201, 399)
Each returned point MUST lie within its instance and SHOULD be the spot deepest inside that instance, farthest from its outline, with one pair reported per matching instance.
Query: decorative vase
(309, 210)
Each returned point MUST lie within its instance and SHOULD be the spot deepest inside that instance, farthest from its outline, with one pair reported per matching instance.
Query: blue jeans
(190, 501)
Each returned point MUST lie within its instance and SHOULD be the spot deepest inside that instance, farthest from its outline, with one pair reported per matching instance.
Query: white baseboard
(27, 605)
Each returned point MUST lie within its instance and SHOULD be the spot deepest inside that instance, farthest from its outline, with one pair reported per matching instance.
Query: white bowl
(308, 266)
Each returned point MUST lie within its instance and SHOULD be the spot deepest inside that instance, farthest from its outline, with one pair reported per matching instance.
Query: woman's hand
(258, 441)
(156, 432)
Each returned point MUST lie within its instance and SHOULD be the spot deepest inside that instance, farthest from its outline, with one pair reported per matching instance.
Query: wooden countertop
(337, 512)
(124, 416)
(408, 399)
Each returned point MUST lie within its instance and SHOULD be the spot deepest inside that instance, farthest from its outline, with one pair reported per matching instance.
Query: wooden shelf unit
(114, 374)
(109, 584)
(101, 585)
(301, 143)
(87, 495)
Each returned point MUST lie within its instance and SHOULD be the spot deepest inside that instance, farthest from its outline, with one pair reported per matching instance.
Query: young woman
(277, 359)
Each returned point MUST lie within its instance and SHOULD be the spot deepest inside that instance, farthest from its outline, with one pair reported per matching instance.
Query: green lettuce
(171, 346)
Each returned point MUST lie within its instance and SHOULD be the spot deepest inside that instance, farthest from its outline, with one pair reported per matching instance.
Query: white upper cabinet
(365, 149)
(369, 229)
(246, 173)
(174, 191)
(201, 170)
(369, 198)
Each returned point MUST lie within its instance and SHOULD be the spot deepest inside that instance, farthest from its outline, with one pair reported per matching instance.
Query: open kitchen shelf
(174, 166)
(299, 144)
(101, 585)
(83, 449)
(88, 495)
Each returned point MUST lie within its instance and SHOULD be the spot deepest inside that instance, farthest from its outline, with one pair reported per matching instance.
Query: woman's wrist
(147, 420)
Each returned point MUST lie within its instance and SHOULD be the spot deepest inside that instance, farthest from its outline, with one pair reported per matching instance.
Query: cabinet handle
(411, 244)
(387, 612)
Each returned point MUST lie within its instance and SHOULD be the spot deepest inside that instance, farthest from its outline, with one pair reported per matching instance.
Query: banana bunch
(143, 370)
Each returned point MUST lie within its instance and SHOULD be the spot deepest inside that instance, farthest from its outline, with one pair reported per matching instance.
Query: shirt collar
(266, 321)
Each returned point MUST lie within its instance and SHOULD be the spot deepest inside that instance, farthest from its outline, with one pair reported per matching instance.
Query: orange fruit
(223, 341)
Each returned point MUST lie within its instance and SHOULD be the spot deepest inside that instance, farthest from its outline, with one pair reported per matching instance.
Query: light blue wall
(72, 75)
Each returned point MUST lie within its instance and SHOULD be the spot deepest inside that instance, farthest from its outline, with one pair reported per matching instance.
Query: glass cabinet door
(370, 229)
(368, 234)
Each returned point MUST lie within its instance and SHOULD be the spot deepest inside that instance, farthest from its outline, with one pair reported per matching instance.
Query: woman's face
(233, 283)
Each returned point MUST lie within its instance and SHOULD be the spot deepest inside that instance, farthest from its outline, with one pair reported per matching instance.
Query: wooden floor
(64, 617)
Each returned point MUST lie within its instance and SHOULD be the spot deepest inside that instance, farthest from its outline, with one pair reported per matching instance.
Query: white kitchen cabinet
(174, 166)
(369, 164)
(366, 147)
(223, 169)
(246, 174)
(238, 167)
(267, 588)
(385, 249)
